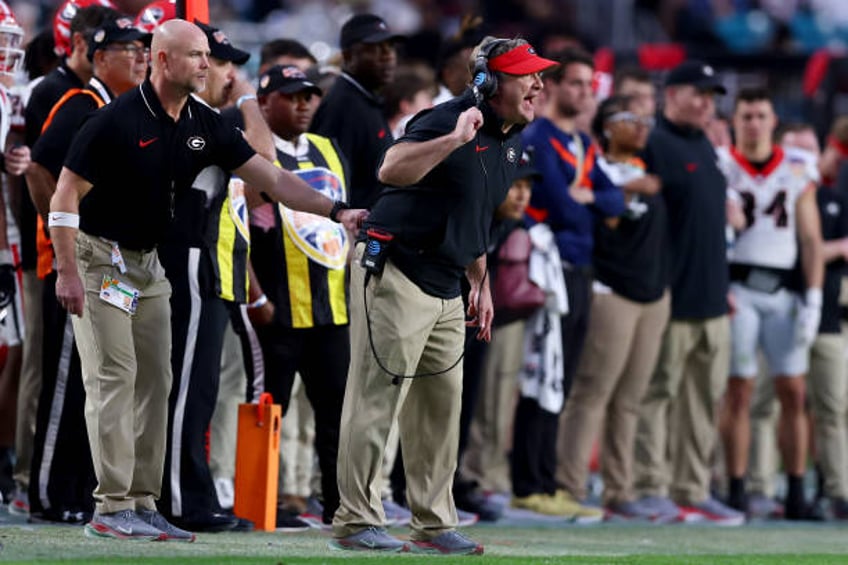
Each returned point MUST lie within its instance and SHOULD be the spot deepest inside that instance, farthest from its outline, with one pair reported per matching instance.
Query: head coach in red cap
(427, 229)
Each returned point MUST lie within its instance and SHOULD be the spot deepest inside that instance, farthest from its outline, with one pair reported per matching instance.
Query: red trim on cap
(520, 61)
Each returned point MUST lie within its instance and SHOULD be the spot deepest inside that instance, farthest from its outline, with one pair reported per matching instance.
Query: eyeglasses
(131, 50)
(632, 118)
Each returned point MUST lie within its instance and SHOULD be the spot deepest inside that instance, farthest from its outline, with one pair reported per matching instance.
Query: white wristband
(259, 302)
(244, 98)
(813, 297)
(62, 220)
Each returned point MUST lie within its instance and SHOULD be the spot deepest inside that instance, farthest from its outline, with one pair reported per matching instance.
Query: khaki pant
(126, 371)
(490, 436)
(677, 421)
(827, 391)
(29, 387)
(297, 437)
(413, 333)
(223, 430)
(763, 453)
(619, 357)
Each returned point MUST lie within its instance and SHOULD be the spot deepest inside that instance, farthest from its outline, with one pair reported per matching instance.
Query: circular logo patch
(511, 155)
(99, 36)
(196, 143)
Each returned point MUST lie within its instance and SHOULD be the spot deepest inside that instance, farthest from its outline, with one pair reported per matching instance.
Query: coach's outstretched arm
(63, 221)
(406, 163)
(287, 188)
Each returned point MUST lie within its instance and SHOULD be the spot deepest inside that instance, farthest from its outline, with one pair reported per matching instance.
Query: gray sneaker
(713, 511)
(465, 519)
(762, 507)
(663, 509)
(370, 539)
(159, 522)
(448, 543)
(632, 510)
(396, 515)
(122, 525)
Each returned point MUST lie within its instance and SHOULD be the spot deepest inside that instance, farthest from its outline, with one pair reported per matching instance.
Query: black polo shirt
(631, 258)
(138, 158)
(354, 118)
(44, 95)
(442, 223)
(695, 194)
(52, 146)
(833, 209)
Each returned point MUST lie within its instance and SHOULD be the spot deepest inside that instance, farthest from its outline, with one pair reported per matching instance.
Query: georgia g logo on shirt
(196, 143)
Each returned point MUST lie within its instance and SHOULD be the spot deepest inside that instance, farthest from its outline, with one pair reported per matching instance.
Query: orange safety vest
(43, 245)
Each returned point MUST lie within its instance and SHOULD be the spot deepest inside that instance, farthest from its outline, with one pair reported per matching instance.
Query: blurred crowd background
(792, 46)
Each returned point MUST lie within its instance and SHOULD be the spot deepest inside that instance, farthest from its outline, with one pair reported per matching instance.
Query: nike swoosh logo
(124, 530)
(145, 142)
(480, 149)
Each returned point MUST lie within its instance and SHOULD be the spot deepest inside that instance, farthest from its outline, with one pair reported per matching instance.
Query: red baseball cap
(521, 60)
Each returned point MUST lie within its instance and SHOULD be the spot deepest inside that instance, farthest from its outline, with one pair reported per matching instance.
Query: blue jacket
(573, 224)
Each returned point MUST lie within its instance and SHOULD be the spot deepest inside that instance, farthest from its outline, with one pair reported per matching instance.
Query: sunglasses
(632, 118)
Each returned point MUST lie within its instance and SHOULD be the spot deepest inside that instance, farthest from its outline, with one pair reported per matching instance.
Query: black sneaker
(288, 521)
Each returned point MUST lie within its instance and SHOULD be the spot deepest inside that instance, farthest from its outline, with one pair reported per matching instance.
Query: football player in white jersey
(774, 310)
(14, 161)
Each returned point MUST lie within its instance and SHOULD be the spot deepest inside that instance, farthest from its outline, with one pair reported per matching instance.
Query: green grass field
(614, 544)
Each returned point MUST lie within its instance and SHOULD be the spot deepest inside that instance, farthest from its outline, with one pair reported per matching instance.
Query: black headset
(483, 81)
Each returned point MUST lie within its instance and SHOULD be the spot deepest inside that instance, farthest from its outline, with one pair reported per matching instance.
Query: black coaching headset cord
(397, 377)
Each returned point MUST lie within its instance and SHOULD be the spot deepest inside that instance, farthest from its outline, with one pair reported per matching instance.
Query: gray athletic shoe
(396, 515)
(370, 539)
(159, 522)
(664, 509)
(122, 525)
(632, 510)
(716, 512)
(448, 543)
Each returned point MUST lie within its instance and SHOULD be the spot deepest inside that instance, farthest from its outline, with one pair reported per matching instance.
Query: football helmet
(155, 13)
(62, 22)
(11, 41)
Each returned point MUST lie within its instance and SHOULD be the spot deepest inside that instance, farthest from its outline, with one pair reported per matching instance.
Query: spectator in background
(630, 309)
(718, 132)
(208, 275)
(308, 334)
(285, 52)
(636, 83)
(774, 311)
(411, 91)
(826, 379)
(678, 411)
(351, 113)
(452, 73)
(57, 388)
(572, 193)
(485, 460)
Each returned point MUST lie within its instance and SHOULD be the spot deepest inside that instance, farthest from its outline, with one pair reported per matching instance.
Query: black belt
(763, 279)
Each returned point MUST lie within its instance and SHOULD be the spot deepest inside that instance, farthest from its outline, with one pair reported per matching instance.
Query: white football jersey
(768, 197)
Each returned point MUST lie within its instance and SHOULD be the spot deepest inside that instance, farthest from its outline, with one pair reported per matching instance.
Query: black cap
(287, 79)
(121, 30)
(525, 168)
(366, 28)
(220, 47)
(696, 73)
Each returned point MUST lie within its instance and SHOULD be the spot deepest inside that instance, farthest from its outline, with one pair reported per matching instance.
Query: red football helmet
(11, 40)
(155, 13)
(62, 22)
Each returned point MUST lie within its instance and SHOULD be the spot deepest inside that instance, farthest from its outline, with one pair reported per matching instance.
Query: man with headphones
(443, 180)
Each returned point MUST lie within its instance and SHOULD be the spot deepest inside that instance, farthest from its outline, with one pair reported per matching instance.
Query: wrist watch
(338, 206)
